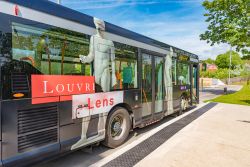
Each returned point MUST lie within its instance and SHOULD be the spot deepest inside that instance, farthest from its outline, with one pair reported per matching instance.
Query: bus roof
(72, 15)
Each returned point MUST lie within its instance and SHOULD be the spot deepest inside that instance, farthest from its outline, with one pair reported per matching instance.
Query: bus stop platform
(214, 134)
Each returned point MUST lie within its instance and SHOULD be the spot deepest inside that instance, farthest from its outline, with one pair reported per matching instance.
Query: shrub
(221, 73)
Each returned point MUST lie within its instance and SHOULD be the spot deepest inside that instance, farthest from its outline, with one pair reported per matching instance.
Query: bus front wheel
(117, 127)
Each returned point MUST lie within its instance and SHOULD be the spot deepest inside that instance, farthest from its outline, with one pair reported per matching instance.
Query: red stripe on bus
(65, 98)
(44, 100)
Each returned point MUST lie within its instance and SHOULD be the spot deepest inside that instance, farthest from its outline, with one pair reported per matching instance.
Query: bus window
(50, 50)
(125, 66)
(183, 74)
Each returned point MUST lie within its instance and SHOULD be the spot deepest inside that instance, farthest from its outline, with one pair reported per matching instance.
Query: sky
(175, 22)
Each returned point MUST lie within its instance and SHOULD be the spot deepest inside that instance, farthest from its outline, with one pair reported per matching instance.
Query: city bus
(69, 80)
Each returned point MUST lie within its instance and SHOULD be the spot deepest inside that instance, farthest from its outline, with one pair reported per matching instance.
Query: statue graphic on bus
(101, 52)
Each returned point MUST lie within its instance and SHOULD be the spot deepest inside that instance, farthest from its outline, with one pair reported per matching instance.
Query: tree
(229, 22)
(222, 60)
(246, 72)
(246, 57)
(209, 61)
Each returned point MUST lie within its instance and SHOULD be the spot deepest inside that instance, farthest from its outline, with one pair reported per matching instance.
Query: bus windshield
(51, 50)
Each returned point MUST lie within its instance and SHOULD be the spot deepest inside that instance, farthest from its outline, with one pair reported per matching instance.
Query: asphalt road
(208, 93)
(88, 156)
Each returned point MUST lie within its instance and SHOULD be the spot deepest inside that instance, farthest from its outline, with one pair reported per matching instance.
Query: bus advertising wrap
(54, 88)
(90, 104)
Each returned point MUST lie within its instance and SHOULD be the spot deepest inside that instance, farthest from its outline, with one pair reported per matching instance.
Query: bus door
(152, 87)
(195, 90)
(158, 88)
(147, 87)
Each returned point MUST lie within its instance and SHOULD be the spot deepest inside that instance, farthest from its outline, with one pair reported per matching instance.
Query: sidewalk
(219, 138)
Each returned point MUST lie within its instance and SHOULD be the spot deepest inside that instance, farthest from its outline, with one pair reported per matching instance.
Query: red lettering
(98, 103)
(89, 104)
(111, 101)
(105, 102)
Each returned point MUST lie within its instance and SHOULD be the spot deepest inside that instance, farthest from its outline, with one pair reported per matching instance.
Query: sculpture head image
(100, 26)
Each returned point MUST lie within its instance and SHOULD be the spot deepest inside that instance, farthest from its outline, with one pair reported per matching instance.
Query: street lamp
(230, 64)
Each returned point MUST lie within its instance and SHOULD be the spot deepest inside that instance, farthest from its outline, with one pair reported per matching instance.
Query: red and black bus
(69, 80)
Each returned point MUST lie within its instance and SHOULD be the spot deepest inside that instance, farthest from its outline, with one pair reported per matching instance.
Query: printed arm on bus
(91, 55)
(113, 64)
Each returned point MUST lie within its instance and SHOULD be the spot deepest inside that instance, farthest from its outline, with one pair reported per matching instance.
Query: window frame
(136, 60)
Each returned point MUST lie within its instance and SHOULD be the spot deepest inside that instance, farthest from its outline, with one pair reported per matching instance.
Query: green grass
(241, 97)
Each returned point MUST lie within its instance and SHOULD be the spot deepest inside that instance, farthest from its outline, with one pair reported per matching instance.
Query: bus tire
(117, 127)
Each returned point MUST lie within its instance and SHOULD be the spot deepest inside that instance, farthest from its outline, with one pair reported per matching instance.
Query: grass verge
(241, 97)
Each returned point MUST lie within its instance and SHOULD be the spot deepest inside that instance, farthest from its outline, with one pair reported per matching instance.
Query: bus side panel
(1, 164)
(9, 129)
(0, 128)
(29, 132)
(0, 135)
(133, 99)
(69, 135)
(176, 97)
(70, 130)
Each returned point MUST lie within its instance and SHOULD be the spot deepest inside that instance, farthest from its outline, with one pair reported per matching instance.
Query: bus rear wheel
(117, 127)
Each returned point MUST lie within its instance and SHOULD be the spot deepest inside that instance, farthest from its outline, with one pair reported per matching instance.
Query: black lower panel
(32, 157)
(137, 153)
(93, 126)
(29, 132)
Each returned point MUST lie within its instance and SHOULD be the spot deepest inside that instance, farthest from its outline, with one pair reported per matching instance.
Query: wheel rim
(118, 125)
